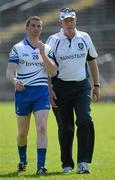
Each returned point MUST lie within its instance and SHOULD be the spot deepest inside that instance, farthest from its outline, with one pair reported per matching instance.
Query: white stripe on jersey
(72, 55)
(30, 70)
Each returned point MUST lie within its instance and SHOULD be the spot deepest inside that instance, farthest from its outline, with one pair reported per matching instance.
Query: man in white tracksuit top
(73, 51)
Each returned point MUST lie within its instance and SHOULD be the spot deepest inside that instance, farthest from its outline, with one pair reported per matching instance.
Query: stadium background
(97, 17)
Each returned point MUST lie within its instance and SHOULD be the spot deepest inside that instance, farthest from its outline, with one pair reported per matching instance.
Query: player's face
(34, 29)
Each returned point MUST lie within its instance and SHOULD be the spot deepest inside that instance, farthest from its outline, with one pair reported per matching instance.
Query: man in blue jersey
(73, 51)
(28, 70)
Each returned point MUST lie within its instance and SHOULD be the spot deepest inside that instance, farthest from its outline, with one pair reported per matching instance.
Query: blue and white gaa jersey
(71, 55)
(30, 69)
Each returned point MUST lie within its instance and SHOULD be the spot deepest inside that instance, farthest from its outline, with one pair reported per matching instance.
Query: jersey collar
(77, 34)
(28, 43)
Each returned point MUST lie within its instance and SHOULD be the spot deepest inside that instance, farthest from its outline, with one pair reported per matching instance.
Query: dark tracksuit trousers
(73, 97)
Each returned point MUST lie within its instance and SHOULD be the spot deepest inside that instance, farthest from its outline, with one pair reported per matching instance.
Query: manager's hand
(96, 94)
(52, 97)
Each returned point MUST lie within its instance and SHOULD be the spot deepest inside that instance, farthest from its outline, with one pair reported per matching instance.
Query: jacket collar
(62, 36)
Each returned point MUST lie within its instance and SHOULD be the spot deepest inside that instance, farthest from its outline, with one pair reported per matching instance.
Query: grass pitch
(102, 167)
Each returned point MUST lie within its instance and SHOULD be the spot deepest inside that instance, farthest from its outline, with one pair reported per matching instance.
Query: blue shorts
(31, 99)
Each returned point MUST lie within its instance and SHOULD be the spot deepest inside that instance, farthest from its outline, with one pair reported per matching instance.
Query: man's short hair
(36, 18)
(67, 12)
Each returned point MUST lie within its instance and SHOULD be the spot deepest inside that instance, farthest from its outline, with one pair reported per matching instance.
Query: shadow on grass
(46, 175)
(23, 175)
(10, 175)
(16, 174)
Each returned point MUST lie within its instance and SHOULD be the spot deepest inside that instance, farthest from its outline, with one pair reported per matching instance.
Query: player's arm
(11, 72)
(49, 63)
(95, 76)
(11, 76)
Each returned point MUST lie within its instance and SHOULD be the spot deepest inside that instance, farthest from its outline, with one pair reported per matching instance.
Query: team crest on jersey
(81, 45)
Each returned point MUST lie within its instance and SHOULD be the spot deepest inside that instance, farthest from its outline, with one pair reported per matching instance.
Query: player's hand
(41, 47)
(96, 94)
(19, 85)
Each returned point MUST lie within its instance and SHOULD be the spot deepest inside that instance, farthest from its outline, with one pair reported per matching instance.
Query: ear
(76, 20)
(59, 21)
(26, 28)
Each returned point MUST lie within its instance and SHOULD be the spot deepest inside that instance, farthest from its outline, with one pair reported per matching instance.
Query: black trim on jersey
(53, 57)
(89, 58)
(86, 70)
(15, 50)
(69, 42)
(57, 46)
(30, 44)
(84, 42)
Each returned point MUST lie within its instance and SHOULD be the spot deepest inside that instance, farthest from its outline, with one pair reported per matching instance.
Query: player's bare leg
(23, 128)
(41, 128)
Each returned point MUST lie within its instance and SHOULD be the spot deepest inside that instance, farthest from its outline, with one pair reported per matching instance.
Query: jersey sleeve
(51, 42)
(13, 56)
(92, 54)
(49, 52)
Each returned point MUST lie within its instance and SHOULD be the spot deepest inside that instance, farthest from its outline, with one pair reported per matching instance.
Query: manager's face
(68, 23)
